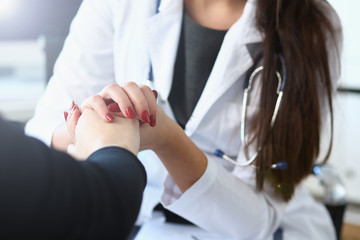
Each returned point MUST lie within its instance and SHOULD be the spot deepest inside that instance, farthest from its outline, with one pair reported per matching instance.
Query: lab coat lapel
(232, 62)
(163, 33)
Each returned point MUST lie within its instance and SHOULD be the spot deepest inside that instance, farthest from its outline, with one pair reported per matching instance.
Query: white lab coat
(112, 41)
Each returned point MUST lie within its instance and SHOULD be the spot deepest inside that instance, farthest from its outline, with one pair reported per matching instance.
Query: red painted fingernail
(113, 107)
(72, 105)
(145, 116)
(155, 93)
(65, 115)
(109, 117)
(130, 113)
(152, 120)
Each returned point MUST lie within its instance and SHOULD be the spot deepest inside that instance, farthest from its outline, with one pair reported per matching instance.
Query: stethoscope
(247, 89)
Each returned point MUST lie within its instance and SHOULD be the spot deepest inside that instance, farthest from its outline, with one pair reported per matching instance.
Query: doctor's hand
(92, 133)
(184, 161)
(130, 100)
(155, 138)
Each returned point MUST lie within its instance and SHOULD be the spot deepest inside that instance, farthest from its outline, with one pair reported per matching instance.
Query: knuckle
(92, 98)
(112, 86)
(92, 102)
(130, 85)
(145, 88)
(141, 102)
(96, 98)
(109, 88)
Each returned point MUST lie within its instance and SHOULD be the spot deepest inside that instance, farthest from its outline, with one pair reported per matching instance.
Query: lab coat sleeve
(235, 208)
(83, 68)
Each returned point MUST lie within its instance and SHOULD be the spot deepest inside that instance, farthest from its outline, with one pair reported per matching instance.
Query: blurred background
(32, 33)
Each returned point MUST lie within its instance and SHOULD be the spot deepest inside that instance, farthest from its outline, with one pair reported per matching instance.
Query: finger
(98, 104)
(114, 107)
(76, 115)
(68, 116)
(69, 129)
(118, 95)
(72, 120)
(151, 100)
(155, 94)
(138, 100)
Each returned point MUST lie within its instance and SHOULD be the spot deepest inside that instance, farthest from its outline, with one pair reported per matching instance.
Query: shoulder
(11, 132)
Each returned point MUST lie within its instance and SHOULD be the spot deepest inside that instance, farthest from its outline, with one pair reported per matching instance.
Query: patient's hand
(93, 133)
(71, 119)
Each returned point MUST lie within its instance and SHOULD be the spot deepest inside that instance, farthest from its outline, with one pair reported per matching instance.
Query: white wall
(348, 12)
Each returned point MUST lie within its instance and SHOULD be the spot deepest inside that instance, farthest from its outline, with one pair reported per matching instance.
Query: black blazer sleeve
(46, 194)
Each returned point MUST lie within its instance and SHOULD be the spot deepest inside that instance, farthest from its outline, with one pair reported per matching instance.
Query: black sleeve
(46, 194)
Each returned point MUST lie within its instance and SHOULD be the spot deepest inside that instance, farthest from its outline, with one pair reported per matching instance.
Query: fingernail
(130, 113)
(109, 117)
(155, 93)
(145, 116)
(113, 107)
(152, 120)
(65, 115)
(72, 105)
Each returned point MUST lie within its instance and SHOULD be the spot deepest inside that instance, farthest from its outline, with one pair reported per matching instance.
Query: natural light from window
(349, 15)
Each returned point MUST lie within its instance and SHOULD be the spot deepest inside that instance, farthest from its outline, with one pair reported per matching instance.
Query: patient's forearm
(61, 139)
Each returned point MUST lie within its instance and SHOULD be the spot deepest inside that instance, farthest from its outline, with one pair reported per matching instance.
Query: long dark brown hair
(306, 33)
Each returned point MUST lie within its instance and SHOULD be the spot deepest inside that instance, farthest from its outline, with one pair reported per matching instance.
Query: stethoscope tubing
(247, 90)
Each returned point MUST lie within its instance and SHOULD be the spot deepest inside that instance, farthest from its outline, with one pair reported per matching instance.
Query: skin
(215, 14)
(130, 96)
(184, 161)
(93, 133)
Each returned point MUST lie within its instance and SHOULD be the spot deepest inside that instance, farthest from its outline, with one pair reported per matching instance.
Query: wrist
(171, 133)
(61, 138)
(126, 144)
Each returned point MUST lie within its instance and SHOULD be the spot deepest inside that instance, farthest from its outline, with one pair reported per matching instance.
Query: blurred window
(349, 14)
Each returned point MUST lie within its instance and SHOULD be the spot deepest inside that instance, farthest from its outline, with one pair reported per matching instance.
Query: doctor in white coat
(120, 41)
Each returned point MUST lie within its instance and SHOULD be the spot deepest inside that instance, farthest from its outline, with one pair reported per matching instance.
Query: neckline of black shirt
(197, 52)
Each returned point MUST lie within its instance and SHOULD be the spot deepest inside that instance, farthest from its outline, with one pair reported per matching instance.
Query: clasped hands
(124, 116)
